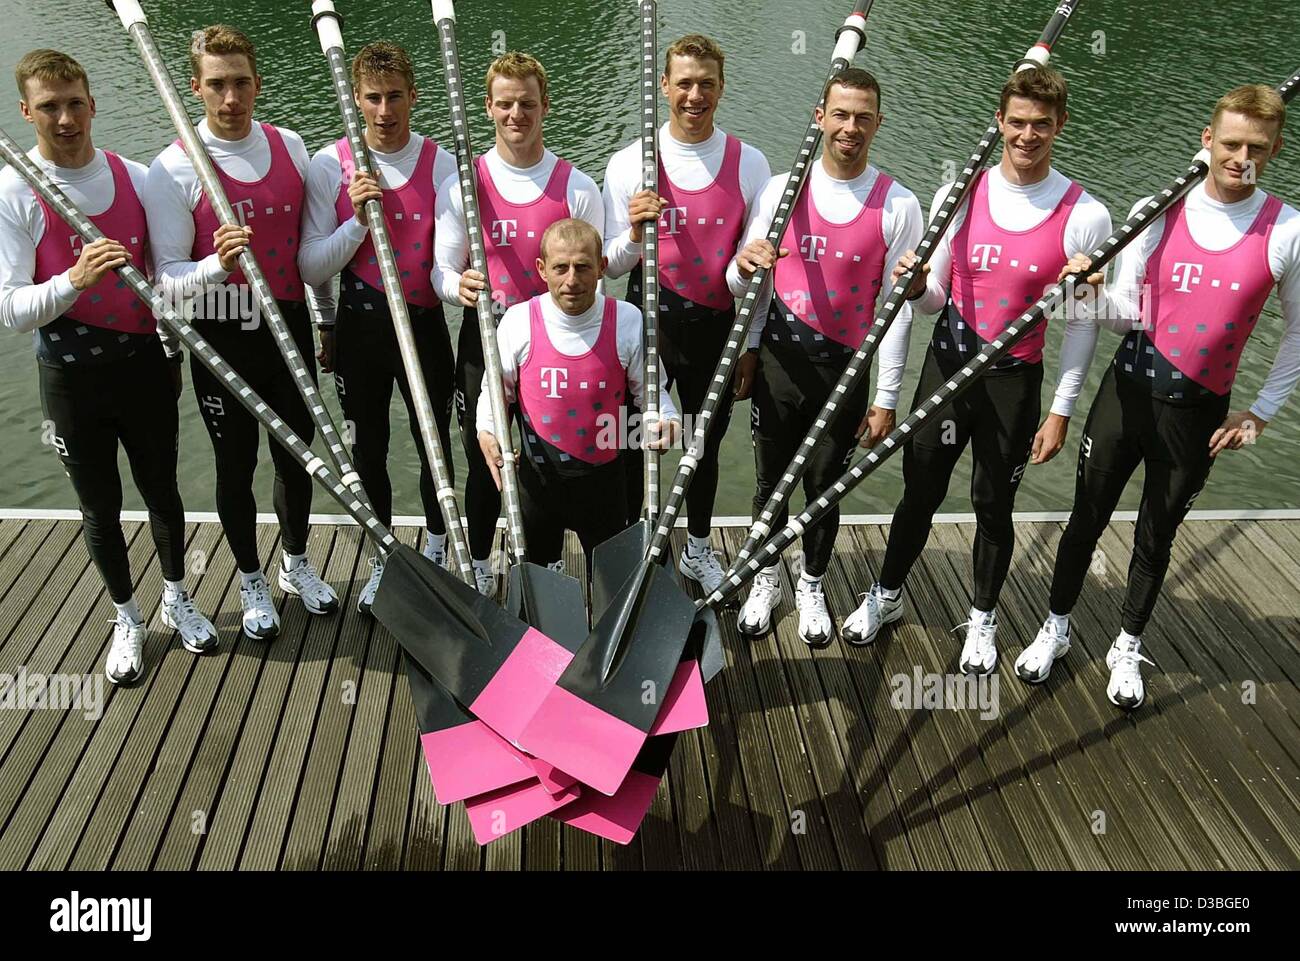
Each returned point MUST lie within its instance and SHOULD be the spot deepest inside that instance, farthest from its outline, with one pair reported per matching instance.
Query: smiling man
(1009, 240)
(523, 188)
(709, 183)
(1187, 296)
(360, 345)
(262, 170)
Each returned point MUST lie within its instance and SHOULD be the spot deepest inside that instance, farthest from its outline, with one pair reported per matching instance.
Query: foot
(764, 597)
(198, 636)
(436, 554)
(303, 581)
(979, 655)
(125, 662)
(876, 610)
(703, 568)
(1035, 662)
(815, 627)
(557, 566)
(1126, 688)
(367, 597)
(485, 580)
(261, 620)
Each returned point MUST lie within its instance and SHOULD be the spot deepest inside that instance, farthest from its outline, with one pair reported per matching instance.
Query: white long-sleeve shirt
(1019, 208)
(840, 202)
(572, 336)
(518, 185)
(691, 166)
(1217, 226)
(172, 192)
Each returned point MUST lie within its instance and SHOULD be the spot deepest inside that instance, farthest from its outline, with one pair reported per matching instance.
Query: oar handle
(134, 278)
(650, 247)
(850, 39)
(444, 18)
(859, 365)
(327, 23)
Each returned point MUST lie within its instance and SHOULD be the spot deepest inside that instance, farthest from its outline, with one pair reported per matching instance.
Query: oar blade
(614, 561)
(706, 643)
(495, 815)
(618, 817)
(559, 609)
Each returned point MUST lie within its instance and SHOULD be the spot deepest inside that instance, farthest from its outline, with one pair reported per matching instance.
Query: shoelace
(983, 634)
(1126, 666)
(132, 633)
(309, 581)
(189, 621)
(709, 559)
(259, 597)
(376, 568)
(809, 596)
(763, 588)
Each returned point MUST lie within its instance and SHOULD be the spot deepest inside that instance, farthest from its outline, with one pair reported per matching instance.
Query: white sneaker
(198, 636)
(486, 581)
(979, 655)
(702, 568)
(1035, 661)
(764, 597)
(367, 597)
(317, 596)
(436, 554)
(815, 627)
(125, 661)
(261, 620)
(557, 566)
(1125, 688)
(875, 611)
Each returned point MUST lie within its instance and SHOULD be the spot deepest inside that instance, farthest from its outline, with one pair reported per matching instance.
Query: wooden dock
(302, 753)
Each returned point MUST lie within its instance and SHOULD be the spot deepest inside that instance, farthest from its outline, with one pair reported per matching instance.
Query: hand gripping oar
(650, 245)
(992, 352)
(136, 24)
(860, 363)
(477, 759)
(595, 721)
(544, 598)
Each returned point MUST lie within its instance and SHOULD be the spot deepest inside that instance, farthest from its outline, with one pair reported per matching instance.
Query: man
(1009, 240)
(851, 225)
(103, 375)
(1187, 296)
(570, 358)
(262, 169)
(709, 183)
(361, 348)
(523, 188)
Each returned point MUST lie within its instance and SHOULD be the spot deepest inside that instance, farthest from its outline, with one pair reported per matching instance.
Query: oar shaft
(849, 40)
(209, 358)
(328, 26)
(1110, 248)
(650, 245)
(859, 365)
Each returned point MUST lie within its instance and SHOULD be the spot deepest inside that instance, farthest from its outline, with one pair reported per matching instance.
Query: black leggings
(234, 432)
(367, 362)
(789, 392)
(91, 408)
(998, 417)
(1128, 426)
(590, 505)
(482, 499)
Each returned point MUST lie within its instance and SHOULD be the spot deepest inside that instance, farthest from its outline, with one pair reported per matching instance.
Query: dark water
(1143, 78)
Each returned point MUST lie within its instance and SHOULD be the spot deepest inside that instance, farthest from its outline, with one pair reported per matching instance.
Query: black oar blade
(559, 609)
(706, 643)
(613, 562)
(626, 682)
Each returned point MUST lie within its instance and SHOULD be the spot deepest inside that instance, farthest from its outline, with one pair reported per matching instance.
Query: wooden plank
(37, 553)
(50, 597)
(426, 833)
(11, 529)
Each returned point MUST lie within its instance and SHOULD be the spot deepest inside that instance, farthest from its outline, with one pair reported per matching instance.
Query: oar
(992, 352)
(650, 245)
(136, 24)
(625, 682)
(466, 758)
(859, 364)
(544, 598)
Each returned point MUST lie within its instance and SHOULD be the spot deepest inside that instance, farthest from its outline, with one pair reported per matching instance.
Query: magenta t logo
(554, 380)
(504, 231)
(671, 221)
(1185, 275)
(812, 246)
(985, 256)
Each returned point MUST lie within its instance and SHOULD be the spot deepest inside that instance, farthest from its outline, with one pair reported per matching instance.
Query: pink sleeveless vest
(110, 303)
(566, 401)
(1204, 304)
(273, 207)
(699, 232)
(512, 233)
(999, 274)
(408, 211)
(831, 282)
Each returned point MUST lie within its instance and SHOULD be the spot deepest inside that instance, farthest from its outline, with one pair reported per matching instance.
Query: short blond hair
(518, 66)
(223, 41)
(1256, 100)
(379, 59)
(573, 231)
(48, 65)
(698, 47)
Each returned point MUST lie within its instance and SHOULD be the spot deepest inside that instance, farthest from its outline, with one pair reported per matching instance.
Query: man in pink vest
(360, 348)
(1186, 297)
(104, 379)
(849, 228)
(523, 188)
(262, 170)
(709, 183)
(1008, 241)
(571, 359)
